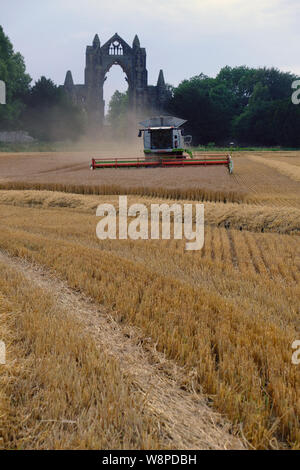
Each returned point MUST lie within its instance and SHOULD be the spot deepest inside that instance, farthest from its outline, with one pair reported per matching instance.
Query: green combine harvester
(164, 147)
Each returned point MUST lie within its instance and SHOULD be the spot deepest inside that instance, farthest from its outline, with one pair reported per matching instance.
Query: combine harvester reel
(164, 147)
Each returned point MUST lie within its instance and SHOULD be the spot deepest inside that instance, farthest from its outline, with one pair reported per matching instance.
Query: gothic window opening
(116, 48)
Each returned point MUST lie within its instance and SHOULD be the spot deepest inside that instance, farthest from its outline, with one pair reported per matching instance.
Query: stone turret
(96, 42)
(161, 79)
(162, 93)
(69, 80)
(136, 42)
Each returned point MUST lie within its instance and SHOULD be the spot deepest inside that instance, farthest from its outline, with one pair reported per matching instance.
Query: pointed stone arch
(132, 60)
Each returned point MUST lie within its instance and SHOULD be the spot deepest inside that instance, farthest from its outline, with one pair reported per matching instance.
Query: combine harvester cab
(164, 147)
(163, 137)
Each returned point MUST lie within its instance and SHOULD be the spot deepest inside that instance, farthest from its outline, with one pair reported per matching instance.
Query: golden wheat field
(140, 344)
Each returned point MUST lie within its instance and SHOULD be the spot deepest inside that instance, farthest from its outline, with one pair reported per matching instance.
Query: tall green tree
(13, 73)
(118, 115)
(50, 115)
(207, 105)
(268, 122)
(269, 118)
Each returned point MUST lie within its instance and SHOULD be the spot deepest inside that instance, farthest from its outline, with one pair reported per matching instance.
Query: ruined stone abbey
(143, 98)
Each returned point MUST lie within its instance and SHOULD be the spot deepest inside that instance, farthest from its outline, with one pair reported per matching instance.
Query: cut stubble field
(214, 328)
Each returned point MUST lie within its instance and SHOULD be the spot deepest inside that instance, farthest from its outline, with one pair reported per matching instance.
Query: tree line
(247, 106)
(242, 105)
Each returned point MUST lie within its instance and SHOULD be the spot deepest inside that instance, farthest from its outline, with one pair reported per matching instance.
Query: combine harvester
(164, 147)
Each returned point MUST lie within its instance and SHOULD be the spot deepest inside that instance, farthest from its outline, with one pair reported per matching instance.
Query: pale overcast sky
(183, 37)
